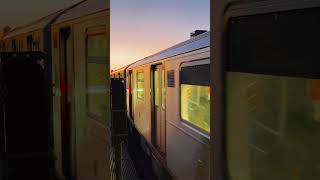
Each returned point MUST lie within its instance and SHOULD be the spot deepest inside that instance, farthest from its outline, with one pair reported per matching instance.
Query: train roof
(118, 69)
(85, 8)
(199, 42)
(33, 26)
(80, 9)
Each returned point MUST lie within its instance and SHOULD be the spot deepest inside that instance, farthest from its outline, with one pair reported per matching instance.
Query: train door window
(140, 85)
(97, 67)
(36, 43)
(163, 88)
(128, 88)
(156, 85)
(195, 95)
(272, 100)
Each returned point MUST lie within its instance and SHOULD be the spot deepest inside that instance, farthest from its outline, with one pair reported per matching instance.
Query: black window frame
(194, 128)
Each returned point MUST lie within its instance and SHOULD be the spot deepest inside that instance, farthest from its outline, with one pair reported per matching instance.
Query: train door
(92, 107)
(65, 100)
(158, 107)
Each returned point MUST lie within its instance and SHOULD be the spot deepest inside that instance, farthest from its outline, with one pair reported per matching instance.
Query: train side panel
(90, 143)
(188, 149)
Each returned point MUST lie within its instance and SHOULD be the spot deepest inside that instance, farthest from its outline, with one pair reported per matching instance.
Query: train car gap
(65, 103)
(130, 79)
(25, 138)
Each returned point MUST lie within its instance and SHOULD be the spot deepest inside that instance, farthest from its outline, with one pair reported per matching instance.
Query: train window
(128, 90)
(273, 96)
(140, 85)
(97, 46)
(36, 44)
(163, 88)
(195, 96)
(156, 87)
(96, 76)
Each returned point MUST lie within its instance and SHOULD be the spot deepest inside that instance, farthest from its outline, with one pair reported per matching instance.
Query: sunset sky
(143, 27)
(19, 12)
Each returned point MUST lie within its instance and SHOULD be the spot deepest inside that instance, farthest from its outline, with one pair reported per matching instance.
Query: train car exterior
(266, 120)
(29, 37)
(80, 53)
(76, 43)
(168, 102)
(118, 73)
(34, 36)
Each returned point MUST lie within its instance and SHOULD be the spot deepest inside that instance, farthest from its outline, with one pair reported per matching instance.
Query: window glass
(163, 88)
(274, 126)
(97, 46)
(36, 43)
(195, 97)
(273, 97)
(128, 91)
(97, 78)
(156, 87)
(140, 85)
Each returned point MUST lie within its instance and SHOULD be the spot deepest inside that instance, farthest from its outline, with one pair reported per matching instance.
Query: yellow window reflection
(140, 85)
(195, 105)
(195, 96)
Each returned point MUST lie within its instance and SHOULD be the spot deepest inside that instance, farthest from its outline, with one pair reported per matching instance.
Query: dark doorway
(65, 103)
(130, 83)
(25, 127)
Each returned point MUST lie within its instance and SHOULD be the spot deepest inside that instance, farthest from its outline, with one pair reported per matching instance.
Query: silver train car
(76, 43)
(118, 73)
(168, 107)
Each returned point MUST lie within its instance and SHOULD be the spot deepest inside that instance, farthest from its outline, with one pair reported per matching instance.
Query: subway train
(75, 41)
(118, 73)
(266, 86)
(168, 107)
